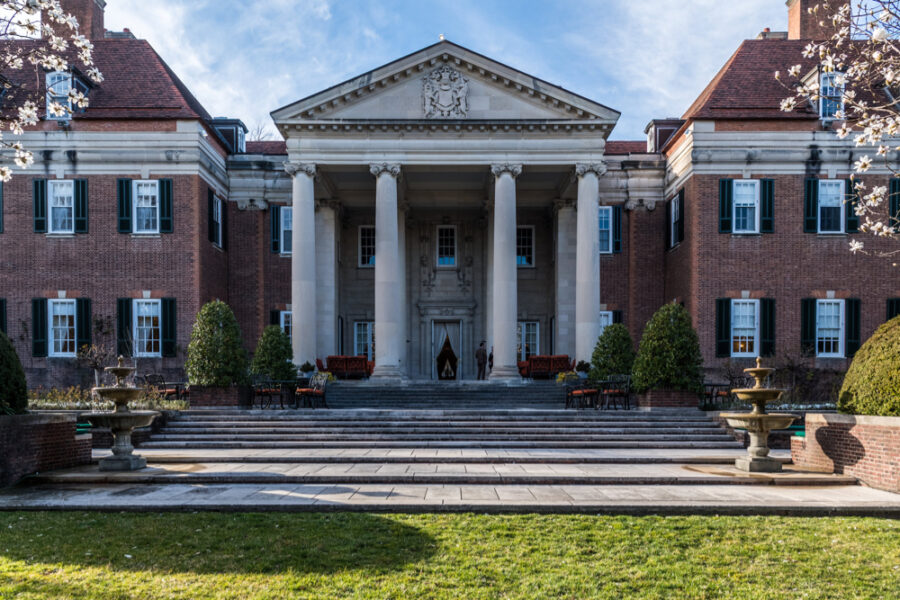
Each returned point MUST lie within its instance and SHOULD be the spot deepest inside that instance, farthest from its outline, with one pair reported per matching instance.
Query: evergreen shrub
(13, 389)
(215, 355)
(274, 355)
(872, 384)
(613, 354)
(668, 356)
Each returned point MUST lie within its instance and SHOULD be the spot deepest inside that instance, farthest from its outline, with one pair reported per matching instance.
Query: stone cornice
(294, 167)
(498, 169)
(449, 126)
(598, 168)
(392, 169)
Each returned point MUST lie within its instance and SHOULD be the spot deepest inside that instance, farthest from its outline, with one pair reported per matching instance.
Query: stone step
(447, 435)
(629, 444)
(441, 415)
(254, 429)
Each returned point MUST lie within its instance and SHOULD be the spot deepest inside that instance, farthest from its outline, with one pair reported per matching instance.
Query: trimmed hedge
(872, 384)
(274, 355)
(669, 356)
(13, 388)
(215, 355)
(613, 354)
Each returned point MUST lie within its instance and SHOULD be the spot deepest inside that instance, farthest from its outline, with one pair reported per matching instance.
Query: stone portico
(446, 142)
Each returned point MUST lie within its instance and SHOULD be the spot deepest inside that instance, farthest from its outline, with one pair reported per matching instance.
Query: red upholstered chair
(356, 367)
(337, 366)
(539, 366)
(320, 365)
(559, 363)
(523, 368)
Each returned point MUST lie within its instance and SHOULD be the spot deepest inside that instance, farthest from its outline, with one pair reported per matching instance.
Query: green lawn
(459, 557)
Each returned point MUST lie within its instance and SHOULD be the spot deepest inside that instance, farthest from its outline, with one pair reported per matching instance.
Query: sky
(645, 58)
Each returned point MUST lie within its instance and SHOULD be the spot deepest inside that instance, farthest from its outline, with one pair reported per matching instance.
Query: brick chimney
(89, 14)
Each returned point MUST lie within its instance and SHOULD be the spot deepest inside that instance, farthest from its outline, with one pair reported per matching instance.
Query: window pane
(605, 320)
(286, 322)
(62, 326)
(830, 95)
(367, 246)
(831, 200)
(743, 327)
(528, 339)
(828, 327)
(745, 206)
(147, 328)
(446, 246)
(287, 229)
(364, 339)
(605, 228)
(62, 202)
(146, 209)
(525, 246)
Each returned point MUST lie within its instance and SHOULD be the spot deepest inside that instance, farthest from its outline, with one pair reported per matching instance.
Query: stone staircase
(428, 395)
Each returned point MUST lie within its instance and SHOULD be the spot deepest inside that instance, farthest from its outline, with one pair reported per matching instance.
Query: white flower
(788, 104)
(883, 150)
(794, 71)
(879, 35)
(844, 131)
(863, 164)
(5, 175)
(855, 246)
(876, 56)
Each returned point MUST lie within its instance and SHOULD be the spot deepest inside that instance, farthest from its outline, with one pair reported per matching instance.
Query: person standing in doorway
(481, 358)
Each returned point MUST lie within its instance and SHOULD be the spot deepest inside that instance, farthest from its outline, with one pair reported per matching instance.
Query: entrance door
(445, 350)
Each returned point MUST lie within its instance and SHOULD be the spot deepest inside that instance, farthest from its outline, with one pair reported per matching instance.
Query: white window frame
(218, 207)
(843, 206)
(520, 333)
(734, 205)
(837, 91)
(533, 248)
(54, 80)
(841, 329)
(51, 339)
(134, 326)
(605, 319)
(675, 215)
(52, 192)
(437, 247)
(135, 186)
(609, 212)
(756, 317)
(285, 320)
(284, 230)
(370, 339)
(359, 242)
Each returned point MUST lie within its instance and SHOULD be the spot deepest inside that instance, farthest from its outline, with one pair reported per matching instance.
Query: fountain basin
(759, 422)
(119, 421)
(121, 424)
(119, 395)
(757, 394)
(758, 426)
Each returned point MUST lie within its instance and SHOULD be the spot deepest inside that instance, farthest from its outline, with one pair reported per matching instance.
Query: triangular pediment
(445, 82)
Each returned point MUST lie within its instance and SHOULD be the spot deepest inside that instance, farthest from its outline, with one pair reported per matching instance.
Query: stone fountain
(758, 422)
(122, 421)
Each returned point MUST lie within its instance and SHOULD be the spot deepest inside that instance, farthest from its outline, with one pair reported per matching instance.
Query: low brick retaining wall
(867, 448)
(202, 396)
(35, 443)
(667, 399)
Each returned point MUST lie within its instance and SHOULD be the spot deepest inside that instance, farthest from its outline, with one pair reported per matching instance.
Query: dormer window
(59, 86)
(831, 95)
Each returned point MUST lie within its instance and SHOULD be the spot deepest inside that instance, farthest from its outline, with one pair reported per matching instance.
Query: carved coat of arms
(445, 94)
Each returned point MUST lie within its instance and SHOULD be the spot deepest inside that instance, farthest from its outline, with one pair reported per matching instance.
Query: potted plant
(667, 370)
(305, 370)
(216, 363)
(583, 368)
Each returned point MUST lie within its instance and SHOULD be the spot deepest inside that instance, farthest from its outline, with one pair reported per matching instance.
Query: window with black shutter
(40, 205)
(124, 327)
(123, 190)
(723, 327)
(169, 328)
(81, 206)
(39, 327)
(726, 205)
(276, 229)
(893, 308)
(83, 323)
(3, 328)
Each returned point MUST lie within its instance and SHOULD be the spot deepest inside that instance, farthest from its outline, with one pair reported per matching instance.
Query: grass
(455, 556)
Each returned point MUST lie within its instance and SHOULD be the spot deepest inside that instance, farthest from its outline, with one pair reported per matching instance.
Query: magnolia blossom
(48, 31)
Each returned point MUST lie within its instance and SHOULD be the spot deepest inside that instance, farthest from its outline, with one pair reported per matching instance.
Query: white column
(566, 250)
(404, 305)
(303, 262)
(326, 277)
(505, 288)
(587, 260)
(388, 280)
(489, 283)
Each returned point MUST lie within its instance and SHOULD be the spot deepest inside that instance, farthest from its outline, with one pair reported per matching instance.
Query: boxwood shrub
(215, 355)
(613, 354)
(872, 384)
(274, 355)
(13, 389)
(668, 357)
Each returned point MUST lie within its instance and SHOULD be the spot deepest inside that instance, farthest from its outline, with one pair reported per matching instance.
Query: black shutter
(680, 215)
(723, 327)
(893, 203)
(223, 243)
(123, 187)
(39, 327)
(726, 204)
(767, 327)
(669, 224)
(851, 220)
(123, 326)
(811, 207)
(767, 206)
(617, 316)
(166, 220)
(81, 206)
(808, 326)
(169, 327)
(893, 308)
(274, 317)
(83, 323)
(852, 327)
(40, 206)
(276, 228)
(3, 316)
(210, 211)
(617, 228)
(1, 207)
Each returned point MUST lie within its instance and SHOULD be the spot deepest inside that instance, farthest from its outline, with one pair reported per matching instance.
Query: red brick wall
(202, 396)
(248, 251)
(643, 244)
(614, 271)
(35, 443)
(865, 447)
(667, 399)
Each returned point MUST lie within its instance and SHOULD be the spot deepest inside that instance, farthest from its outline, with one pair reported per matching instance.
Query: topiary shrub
(872, 384)
(215, 355)
(613, 354)
(668, 357)
(274, 355)
(13, 389)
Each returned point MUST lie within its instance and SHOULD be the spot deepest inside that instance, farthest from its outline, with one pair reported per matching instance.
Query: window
(364, 339)
(606, 318)
(62, 327)
(58, 85)
(831, 92)
(446, 246)
(147, 330)
(529, 339)
(62, 206)
(285, 321)
(367, 246)
(606, 219)
(525, 246)
(217, 221)
(287, 230)
(830, 328)
(746, 206)
(831, 205)
(674, 221)
(146, 206)
(744, 327)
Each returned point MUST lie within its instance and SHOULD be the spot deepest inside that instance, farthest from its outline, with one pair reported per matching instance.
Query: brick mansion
(436, 201)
